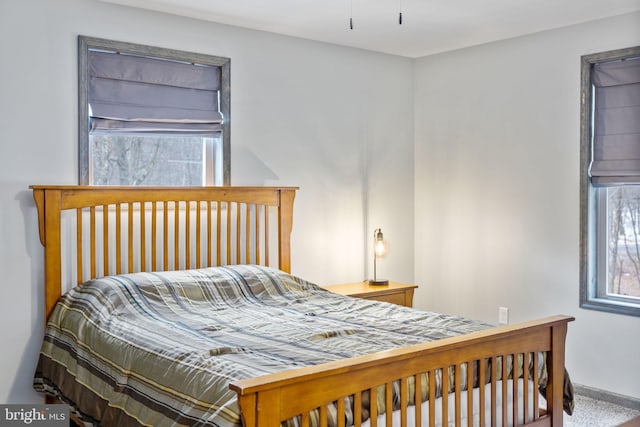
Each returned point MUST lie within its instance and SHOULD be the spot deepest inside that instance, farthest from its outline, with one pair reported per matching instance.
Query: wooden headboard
(95, 231)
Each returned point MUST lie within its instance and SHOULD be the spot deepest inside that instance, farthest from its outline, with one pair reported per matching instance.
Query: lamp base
(378, 282)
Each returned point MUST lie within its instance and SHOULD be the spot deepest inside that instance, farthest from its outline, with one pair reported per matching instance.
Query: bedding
(161, 348)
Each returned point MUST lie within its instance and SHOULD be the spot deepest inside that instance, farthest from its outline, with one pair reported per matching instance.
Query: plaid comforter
(160, 349)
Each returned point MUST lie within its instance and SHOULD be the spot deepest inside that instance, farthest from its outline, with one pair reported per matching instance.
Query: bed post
(555, 371)
(285, 225)
(48, 205)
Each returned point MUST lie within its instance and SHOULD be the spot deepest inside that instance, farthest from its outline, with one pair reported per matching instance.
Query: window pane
(623, 278)
(147, 160)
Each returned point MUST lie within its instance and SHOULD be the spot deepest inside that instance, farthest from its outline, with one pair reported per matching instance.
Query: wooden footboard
(307, 392)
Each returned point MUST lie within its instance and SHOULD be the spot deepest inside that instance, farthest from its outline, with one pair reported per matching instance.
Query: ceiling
(429, 26)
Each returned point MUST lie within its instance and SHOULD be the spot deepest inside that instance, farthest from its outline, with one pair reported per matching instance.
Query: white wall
(305, 114)
(339, 123)
(497, 190)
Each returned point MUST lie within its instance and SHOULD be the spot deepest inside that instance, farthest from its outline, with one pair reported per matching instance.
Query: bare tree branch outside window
(147, 160)
(624, 240)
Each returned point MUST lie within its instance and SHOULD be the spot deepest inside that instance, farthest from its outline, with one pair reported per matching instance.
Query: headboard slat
(92, 237)
(229, 207)
(143, 240)
(198, 234)
(130, 234)
(238, 234)
(218, 231)
(154, 242)
(176, 235)
(266, 234)
(247, 234)
(258, 234)
(119, 238)
(79, 256)
(105, 240)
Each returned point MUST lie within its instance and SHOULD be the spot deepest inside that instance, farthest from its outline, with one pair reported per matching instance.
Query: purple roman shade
(137, 94)
(616, 123)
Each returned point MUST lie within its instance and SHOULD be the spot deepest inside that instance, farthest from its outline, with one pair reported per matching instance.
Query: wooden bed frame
(90, 232)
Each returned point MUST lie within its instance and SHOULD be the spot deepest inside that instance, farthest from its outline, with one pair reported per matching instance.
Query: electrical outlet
(503, 315)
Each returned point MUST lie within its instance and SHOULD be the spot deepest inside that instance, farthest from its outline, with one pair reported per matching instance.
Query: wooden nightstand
(394, 292)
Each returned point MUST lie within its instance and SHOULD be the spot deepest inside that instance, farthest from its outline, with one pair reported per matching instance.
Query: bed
(113, 253)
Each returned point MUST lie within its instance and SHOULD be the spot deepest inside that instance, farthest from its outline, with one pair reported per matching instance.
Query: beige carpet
(593, 413)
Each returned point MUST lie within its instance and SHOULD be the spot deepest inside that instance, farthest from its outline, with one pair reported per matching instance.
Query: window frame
(593, 204)
(85, 44)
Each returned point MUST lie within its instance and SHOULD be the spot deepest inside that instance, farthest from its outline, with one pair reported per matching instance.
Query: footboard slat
(525, 379)
(404, 400)
(357, 410)
(458, 393)
(323, 416)
(470, 395)
(445, 394)
(494, 391)
(340, 413)
(304, 420)
(373, 406)
(417, 397)
(432, 398)
(388, 398)
(515, 376)
(504, 389)
(536, 386)
(482, 364)
(490, 359)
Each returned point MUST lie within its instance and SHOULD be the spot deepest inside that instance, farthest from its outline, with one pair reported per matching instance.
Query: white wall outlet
(503, 315)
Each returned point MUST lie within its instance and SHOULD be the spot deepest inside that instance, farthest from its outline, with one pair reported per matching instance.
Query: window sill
(610, 306)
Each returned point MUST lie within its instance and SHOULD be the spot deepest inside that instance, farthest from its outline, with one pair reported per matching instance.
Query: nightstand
(394, 292)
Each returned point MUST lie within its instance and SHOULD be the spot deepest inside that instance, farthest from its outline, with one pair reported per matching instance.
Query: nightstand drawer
(399, 298)
(394, 292)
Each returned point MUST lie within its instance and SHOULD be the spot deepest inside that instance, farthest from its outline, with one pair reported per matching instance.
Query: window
(152, 116)
(610, 182)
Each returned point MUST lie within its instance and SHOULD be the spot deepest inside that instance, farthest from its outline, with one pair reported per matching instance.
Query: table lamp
(379, 250)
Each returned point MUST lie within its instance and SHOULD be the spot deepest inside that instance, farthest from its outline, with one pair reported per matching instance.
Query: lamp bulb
(379, 247)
